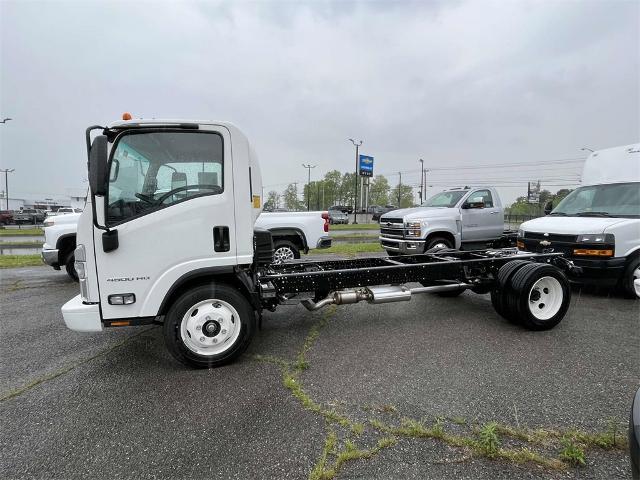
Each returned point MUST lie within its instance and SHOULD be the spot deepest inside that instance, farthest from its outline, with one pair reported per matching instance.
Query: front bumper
(406, 247)
(50, 257)
(604, 272)
(324, 242)
(82, 317)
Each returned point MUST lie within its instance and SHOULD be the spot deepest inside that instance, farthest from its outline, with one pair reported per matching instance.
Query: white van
(597, 226)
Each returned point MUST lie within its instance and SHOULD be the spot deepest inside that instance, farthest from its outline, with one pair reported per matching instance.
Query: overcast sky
(457, 83)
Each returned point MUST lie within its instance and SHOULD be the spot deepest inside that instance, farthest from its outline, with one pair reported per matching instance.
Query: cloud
(454, 83)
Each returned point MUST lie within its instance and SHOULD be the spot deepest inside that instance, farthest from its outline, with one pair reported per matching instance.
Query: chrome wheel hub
(283, 254)
(210, 327)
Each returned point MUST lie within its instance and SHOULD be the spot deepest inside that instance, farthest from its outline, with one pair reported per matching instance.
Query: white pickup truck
(461, 218)
(292, 233)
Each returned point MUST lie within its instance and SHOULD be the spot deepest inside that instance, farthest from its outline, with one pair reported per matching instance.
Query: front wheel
(630, 281)
(71, 268)
(437, 242)
(209, 326)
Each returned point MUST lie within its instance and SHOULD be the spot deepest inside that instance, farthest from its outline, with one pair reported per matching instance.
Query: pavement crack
(68, 368)
(493, 441)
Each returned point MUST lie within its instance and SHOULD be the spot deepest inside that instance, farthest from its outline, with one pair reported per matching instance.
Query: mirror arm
(88, 136)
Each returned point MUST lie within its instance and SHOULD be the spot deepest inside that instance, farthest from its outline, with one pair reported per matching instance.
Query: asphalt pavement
(116, 405)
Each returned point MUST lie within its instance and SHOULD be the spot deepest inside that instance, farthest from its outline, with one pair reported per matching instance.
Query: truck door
(171, 201)
(480, 224)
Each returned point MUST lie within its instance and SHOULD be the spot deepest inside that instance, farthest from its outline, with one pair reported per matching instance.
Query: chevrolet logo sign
(545, 243)
(389, 224)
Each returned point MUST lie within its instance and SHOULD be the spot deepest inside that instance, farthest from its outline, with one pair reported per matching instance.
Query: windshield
(445, 199)
(613, 200)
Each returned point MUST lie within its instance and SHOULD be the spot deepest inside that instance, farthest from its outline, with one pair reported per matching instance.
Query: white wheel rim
(440, 245)
(545, 298)
(210, 327)
(283, 254)
(636, 281)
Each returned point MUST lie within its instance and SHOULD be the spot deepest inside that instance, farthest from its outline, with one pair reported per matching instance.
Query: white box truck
(597, 225)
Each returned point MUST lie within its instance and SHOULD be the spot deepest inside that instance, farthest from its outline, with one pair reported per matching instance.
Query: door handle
(221, 239)
(493, 213)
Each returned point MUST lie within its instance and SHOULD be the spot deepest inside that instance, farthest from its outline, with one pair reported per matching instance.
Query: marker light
(593, 252)
(126, 116)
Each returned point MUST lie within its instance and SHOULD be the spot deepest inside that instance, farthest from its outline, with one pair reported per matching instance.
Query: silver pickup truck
(461, 218)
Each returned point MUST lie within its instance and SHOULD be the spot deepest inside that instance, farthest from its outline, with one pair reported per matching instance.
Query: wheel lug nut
(207, 318)
(223, 331)
(215, 340)
(198, 327)
(202, 339)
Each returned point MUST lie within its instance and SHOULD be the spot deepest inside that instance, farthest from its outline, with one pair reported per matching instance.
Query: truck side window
(158, 169)
(482, 196)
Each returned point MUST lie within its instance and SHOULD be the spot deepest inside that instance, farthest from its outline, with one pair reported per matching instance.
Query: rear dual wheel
(534, 295)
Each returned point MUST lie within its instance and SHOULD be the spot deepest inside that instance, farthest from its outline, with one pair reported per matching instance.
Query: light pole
(355, 194)
(421, 180)
(309, 167)
(7, 171)
(399, 189)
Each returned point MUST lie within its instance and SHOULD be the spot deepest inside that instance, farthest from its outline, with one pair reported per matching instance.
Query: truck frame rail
(479, 266)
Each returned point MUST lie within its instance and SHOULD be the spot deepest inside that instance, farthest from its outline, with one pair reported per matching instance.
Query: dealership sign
(365, 166)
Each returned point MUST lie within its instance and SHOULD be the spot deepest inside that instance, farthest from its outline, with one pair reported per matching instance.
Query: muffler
(378, 294)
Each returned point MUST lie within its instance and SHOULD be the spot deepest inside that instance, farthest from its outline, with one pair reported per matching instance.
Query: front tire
(438, 242)
(630, 281)
(284, 251)
(209, 326)
(71, 268)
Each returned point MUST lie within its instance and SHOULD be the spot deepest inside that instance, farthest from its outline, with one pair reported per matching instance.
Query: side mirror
(98, 165)
(470, 205)
(548, 207)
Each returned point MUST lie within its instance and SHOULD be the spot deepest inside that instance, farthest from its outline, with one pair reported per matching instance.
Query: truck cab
(468, 217)
(597, 225)
(164, 189)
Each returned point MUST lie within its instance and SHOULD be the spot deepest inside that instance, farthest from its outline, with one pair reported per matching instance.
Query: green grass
(356, 236)
(14, 261)
(351, 248)
(358, 226)
(25, 243)
(15, 232)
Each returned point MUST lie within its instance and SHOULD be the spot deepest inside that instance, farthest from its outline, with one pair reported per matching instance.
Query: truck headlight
(520, 233)
(596, 238)
(413, 229)
(80, 259)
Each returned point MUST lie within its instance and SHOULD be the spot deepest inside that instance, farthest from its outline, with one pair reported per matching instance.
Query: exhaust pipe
(378, 294)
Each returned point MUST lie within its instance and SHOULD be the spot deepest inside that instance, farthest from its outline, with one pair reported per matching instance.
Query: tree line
(522, 207)
(338, 189)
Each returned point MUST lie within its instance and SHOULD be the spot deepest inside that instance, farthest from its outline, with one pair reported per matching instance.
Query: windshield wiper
(592, 214)
(558, 213)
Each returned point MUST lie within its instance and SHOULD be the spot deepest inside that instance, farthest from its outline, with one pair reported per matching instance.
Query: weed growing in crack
(571, 452)
(489, 441)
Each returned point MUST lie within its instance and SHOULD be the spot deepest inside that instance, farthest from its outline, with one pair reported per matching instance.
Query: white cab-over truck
(168, 237)
(460, 218)
(597, 225)
(292, 232)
